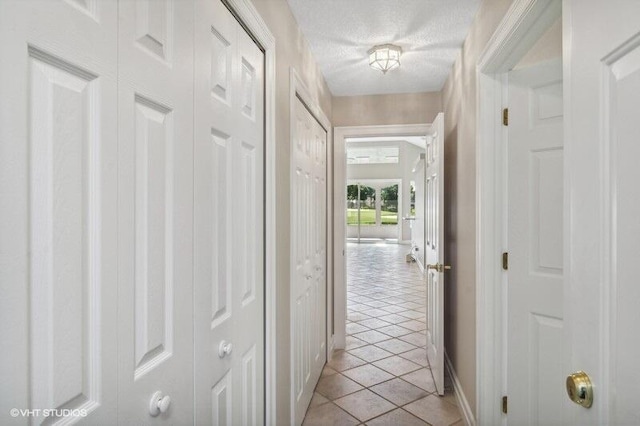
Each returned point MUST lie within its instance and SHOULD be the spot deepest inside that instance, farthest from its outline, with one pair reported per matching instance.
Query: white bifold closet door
(155, 199)
(101, 275)
(229, 220)
(58, 187)
(308, 258)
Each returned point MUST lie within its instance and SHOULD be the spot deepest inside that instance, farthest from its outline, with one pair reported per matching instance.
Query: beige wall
(291, 51)
(372, 110)
(459, 101)
(549, 46)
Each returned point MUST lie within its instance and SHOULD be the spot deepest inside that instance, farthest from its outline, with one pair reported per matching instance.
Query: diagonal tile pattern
(383, 376)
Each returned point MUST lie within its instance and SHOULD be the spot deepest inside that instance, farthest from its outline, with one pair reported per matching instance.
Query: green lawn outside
(368, 217)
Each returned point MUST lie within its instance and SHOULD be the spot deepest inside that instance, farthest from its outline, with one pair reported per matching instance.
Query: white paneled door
(308, 257)
(58, 184)
(417, 230)
(229, 220)
(535, 244)
(603, 200)
(434, 250)
(155, 199)
(114, 150)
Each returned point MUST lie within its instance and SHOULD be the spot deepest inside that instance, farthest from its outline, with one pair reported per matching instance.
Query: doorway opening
(381, 332)
(520, 218)
(369, 161)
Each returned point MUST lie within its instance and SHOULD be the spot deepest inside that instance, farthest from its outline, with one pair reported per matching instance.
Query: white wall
(408, 153)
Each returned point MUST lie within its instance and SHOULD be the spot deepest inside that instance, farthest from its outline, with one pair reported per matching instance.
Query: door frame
(339, 212)
(521, 27)
(298, 89)
(253, 23)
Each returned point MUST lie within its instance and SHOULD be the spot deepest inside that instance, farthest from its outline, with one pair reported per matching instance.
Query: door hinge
(505, 116)
(504, 404)
(505, 261)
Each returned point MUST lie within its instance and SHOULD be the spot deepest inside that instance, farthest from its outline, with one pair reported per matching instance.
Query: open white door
(602, 124)
(417, 230)
(535, 320)
(434, 250)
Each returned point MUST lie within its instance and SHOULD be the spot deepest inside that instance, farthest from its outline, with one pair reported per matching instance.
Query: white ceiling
(340, 32)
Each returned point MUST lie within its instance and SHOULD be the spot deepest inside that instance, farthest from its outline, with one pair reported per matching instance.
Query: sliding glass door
(372, 211)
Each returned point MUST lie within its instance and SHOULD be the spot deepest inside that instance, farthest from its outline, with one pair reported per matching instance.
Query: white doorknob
(224, 349)
(159, 403)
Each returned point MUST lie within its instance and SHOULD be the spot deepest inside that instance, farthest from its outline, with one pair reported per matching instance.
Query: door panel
(624, 84)
(229, 220)
(535, 240)
(308, 248)
(601, 289)
(155, 209)
(434, 250)
(58, 187)
(418, 228)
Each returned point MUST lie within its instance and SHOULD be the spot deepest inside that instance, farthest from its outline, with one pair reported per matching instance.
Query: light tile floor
(383, 376)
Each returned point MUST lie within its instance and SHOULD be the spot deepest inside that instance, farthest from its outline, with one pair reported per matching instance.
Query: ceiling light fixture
(385, 57)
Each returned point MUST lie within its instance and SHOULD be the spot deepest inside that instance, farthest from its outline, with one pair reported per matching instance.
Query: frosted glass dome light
(385, 57)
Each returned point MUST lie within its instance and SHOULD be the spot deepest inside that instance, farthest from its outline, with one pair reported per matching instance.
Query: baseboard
(405, 242)
(463, 404)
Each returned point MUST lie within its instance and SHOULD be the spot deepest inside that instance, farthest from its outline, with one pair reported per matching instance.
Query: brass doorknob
(439, 267)
(579, 389)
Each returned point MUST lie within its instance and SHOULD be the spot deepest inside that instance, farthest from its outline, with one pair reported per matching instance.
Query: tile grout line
(367, 298)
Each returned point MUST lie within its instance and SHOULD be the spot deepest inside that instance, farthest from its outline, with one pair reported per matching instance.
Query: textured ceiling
(340, 32)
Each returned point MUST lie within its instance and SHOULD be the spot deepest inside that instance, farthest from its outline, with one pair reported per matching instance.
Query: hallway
(383, 377)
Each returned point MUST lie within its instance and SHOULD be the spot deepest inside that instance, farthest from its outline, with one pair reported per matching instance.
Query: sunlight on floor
(383, 376)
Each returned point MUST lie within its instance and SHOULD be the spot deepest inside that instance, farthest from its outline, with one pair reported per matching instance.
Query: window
(389, 205)
(373, 155)
(413, 198)
(363, 208)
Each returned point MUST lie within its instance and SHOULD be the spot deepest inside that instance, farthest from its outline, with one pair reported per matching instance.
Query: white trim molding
(339, 208)
(249, 16)
(463, 403)
(521, 27)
